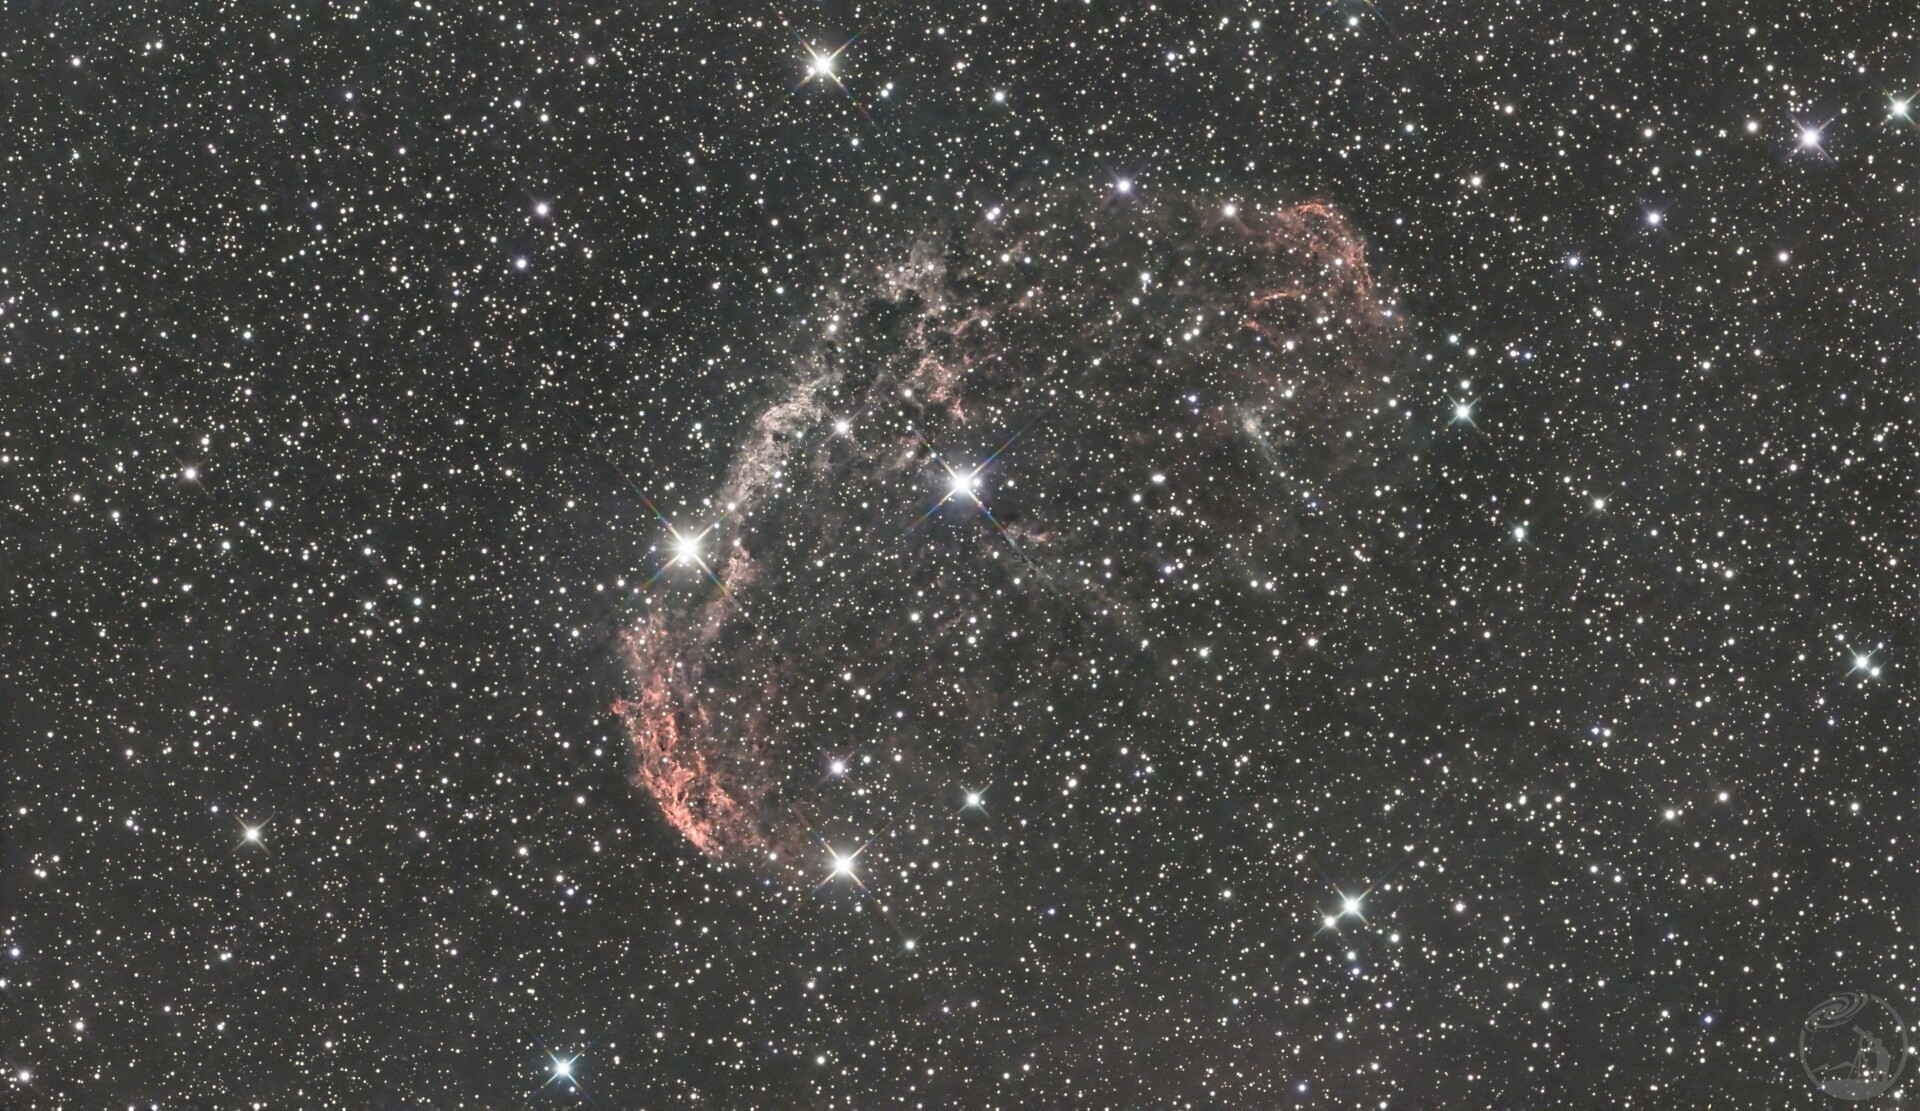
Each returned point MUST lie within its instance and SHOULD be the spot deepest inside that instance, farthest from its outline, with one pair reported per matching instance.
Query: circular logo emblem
(1854, 1046)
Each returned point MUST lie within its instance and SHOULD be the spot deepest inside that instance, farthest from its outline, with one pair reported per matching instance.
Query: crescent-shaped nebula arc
(1006, 456)
(697, 784)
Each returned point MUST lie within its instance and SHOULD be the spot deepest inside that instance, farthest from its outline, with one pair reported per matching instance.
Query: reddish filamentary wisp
(1327, 239)
(671, 737)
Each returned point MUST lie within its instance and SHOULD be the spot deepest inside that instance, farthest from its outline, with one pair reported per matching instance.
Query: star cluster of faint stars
(1000, 555)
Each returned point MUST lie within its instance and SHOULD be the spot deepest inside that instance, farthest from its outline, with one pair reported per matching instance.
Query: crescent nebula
(1010, 448)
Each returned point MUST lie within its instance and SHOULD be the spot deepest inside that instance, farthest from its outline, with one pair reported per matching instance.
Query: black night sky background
(1042, 554)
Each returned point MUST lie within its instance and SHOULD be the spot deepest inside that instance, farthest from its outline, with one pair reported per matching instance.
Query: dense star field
(1054, 554)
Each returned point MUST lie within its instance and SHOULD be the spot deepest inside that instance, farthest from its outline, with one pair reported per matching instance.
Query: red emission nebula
(927, 520)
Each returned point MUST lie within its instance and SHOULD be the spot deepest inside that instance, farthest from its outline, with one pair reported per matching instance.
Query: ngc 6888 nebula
(1013, 465)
